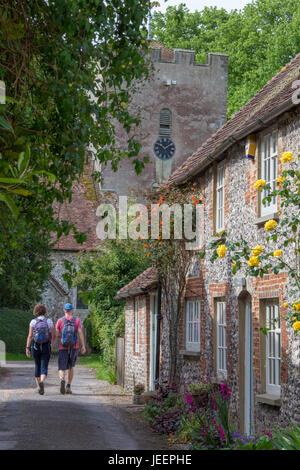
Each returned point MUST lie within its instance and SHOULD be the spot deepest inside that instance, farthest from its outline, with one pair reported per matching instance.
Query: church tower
(180, 107)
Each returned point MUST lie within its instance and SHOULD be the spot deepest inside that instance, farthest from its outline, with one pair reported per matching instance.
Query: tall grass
(103, 371)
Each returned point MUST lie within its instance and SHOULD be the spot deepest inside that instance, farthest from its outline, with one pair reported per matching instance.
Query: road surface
(53, 421)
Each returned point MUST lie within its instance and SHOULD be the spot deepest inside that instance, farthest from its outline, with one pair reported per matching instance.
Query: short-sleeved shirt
(60, 327)
(41, 317)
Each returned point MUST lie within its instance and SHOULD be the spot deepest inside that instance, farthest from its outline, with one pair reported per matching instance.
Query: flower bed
(199, 419)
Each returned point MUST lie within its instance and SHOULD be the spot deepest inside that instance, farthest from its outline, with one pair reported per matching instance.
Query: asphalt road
(55, 422)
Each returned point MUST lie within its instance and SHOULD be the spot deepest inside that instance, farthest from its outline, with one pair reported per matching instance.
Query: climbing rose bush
(265, 257)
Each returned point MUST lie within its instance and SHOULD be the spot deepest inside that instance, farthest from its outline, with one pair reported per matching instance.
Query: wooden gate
(120, 360)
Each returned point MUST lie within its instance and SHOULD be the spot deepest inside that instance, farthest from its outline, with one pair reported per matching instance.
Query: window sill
(185, 353)
(265, 218)
(268, 399)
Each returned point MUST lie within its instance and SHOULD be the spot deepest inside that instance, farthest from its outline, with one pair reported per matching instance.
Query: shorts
(67, 359)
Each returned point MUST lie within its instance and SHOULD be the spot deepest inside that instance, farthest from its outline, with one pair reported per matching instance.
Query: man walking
(69, 331)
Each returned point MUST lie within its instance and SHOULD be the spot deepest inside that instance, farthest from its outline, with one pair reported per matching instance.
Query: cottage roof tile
(139, 285)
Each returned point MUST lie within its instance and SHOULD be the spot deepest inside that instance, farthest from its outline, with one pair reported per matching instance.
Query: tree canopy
(260, 40)
(68, 68)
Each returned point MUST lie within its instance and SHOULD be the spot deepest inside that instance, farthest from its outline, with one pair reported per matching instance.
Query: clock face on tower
(164, 148)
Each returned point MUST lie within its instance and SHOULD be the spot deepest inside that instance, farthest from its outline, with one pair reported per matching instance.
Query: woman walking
(40, 340)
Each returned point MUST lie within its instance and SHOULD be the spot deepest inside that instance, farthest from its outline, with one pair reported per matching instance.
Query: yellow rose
(270, 225)
(285, 304)
(280, 179)
(254, 261)
(234, 265)
(221, 251)
(287, 157)
(259, 184)
(257, 250)
(277, 253)
(296, 326)
(296, 307)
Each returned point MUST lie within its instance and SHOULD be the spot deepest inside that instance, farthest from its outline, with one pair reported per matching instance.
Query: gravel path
(94, 417)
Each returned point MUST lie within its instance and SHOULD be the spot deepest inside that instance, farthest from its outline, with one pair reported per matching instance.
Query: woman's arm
(28, 342)
(53, 337)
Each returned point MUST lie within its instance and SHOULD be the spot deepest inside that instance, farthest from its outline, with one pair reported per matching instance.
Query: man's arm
(82, 342)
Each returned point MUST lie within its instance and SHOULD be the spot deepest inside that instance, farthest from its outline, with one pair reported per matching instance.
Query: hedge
(14, 326)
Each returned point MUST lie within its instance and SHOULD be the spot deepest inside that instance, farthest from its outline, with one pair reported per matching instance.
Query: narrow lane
(54, 421)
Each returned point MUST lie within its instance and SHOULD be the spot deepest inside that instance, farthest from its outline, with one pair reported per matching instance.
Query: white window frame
(192, 324)
(220, 198)
(269, 169)
(221, 338)
(273, 349)
(136, 327)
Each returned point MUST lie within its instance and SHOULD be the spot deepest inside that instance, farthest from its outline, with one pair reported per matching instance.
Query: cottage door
(153, 340)
(248, 370)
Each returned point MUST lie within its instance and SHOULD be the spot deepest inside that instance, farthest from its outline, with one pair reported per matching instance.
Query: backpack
(69, 334)
(41, 332)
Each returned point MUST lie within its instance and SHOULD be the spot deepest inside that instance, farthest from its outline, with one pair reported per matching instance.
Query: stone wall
(56, 292)
(137, 366)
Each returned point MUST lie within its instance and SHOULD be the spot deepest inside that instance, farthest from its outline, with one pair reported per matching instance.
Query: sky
(193, 5)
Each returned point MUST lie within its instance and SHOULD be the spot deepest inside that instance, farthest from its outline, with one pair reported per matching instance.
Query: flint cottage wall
(213, 281)
(137, 363)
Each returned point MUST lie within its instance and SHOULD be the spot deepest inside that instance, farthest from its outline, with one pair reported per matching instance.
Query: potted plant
(138, 390)
(200, 393)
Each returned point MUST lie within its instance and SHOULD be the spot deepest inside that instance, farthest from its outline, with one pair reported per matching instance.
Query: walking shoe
(68, 389)
(41, 388)
(62, 387)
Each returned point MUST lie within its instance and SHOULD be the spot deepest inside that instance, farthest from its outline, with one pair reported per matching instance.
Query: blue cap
(68, 307)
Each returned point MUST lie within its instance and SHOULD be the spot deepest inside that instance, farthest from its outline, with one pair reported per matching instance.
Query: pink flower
(189, 401)
(221, 432)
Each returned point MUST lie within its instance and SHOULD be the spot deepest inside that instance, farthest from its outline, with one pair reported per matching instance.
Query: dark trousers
(41, 355)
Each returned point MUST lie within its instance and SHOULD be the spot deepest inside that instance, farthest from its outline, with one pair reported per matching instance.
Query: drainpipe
(158, 329)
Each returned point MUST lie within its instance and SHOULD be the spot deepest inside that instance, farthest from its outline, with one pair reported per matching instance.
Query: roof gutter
(254, 127)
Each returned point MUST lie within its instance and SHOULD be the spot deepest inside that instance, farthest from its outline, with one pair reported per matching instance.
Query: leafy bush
(167, 421)
(113, 266)
(164, 411)
(287, 439)
(201, 387)
(14, 329)
(211, 427)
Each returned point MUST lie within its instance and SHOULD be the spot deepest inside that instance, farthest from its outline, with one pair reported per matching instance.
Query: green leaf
(21, 191)
(11, 181)
(5, 124)
(10, 204)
